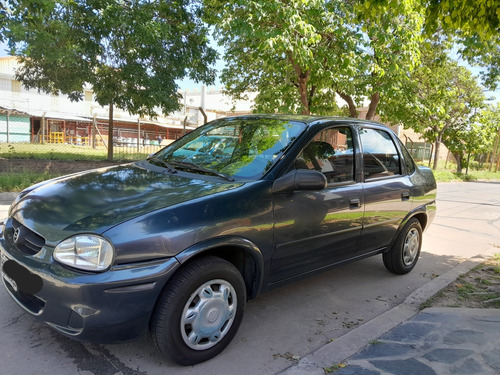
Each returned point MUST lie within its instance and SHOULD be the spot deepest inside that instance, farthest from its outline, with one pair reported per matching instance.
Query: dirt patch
(478, 288)
(58, 167)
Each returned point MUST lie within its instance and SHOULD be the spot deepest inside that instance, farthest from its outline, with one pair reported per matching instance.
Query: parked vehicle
(178, 243)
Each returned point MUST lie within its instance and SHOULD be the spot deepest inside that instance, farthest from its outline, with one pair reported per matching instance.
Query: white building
(33, 116)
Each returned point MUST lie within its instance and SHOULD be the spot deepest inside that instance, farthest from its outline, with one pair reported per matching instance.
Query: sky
(187, 84)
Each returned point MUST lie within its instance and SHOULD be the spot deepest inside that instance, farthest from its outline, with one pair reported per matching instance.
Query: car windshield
(243, 147)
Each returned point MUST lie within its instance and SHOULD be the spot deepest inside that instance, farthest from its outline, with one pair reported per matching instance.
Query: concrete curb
(355, 340)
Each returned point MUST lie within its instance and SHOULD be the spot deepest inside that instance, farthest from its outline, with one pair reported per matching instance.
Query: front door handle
(405, 196)
(354, 203)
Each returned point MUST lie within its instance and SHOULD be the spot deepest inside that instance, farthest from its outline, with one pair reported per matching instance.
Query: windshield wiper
(156, 160)
(198, 168)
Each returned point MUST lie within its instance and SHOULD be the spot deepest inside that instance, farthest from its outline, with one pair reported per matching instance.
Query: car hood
(97, 200)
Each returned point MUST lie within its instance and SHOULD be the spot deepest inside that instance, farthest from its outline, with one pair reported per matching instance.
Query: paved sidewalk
(407, 341)
(437, 341)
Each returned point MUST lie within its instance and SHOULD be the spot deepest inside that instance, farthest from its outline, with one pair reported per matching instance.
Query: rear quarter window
(407, 159)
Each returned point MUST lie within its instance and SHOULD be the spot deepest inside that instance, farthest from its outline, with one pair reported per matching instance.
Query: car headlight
(86, 252)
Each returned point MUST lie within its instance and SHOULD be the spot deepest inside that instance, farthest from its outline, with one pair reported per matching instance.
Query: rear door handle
(405, 196)
(354, 203)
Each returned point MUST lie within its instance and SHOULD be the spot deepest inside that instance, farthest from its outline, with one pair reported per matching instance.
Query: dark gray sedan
(179, 242)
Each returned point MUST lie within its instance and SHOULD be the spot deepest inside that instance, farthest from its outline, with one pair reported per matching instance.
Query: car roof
(310, 119)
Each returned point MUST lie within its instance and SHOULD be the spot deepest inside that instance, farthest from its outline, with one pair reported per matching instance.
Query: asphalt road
(284, 325)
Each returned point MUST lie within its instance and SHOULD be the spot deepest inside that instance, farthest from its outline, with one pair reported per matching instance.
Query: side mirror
(300, 179)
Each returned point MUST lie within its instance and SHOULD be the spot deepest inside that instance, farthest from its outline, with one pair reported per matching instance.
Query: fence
(81, 139)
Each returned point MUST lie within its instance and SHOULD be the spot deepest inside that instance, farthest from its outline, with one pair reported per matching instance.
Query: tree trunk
(458, 157)
(350, 103)
(302, 78)
(436, 151)
(372, 109)
(498, 162)
(310, 97)
(468, 162)
(494, 152)
(110, 132)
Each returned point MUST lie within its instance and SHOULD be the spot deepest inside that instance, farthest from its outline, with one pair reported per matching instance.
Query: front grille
(25, 239)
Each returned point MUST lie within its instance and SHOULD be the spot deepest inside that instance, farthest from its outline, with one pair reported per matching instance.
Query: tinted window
(330, 152)
(238, 147)
(408, 160)
(380, 157)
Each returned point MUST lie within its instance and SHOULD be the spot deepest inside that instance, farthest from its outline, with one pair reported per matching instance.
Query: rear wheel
(405, 251)
(200, 311)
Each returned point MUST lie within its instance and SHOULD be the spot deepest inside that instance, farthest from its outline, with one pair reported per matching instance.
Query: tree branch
(372, 108)
(350, 103)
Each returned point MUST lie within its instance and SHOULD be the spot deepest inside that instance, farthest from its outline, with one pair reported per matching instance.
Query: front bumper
(106, 307)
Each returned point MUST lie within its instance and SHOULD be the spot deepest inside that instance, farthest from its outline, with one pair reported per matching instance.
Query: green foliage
(49, 152)
(476, 26)
(485, 54)
(450, 175)
(444, 103)
(481, 17)
(474, 138)
(298, 54)
(20, 180)
(3, 15)
(490, 119)
(130, 53)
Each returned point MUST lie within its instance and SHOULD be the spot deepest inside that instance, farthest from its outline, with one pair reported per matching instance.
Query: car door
(386, 189)
(314, 229)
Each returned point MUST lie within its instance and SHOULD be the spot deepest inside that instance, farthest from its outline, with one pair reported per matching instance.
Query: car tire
(200, 311)
(404, 253)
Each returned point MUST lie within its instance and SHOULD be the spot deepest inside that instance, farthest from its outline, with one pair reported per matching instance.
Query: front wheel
(403, 255)
(200, 311)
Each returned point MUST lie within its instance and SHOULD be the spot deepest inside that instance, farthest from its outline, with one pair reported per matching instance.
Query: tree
(298, 54)
(470, 17)
(476, 27)
(490, 119)
(129, 52)
(445, 99)
(464, 141)
(484, 54)
(3, 16)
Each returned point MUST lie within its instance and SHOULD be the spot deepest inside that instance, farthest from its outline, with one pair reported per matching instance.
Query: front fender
(228, 247)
